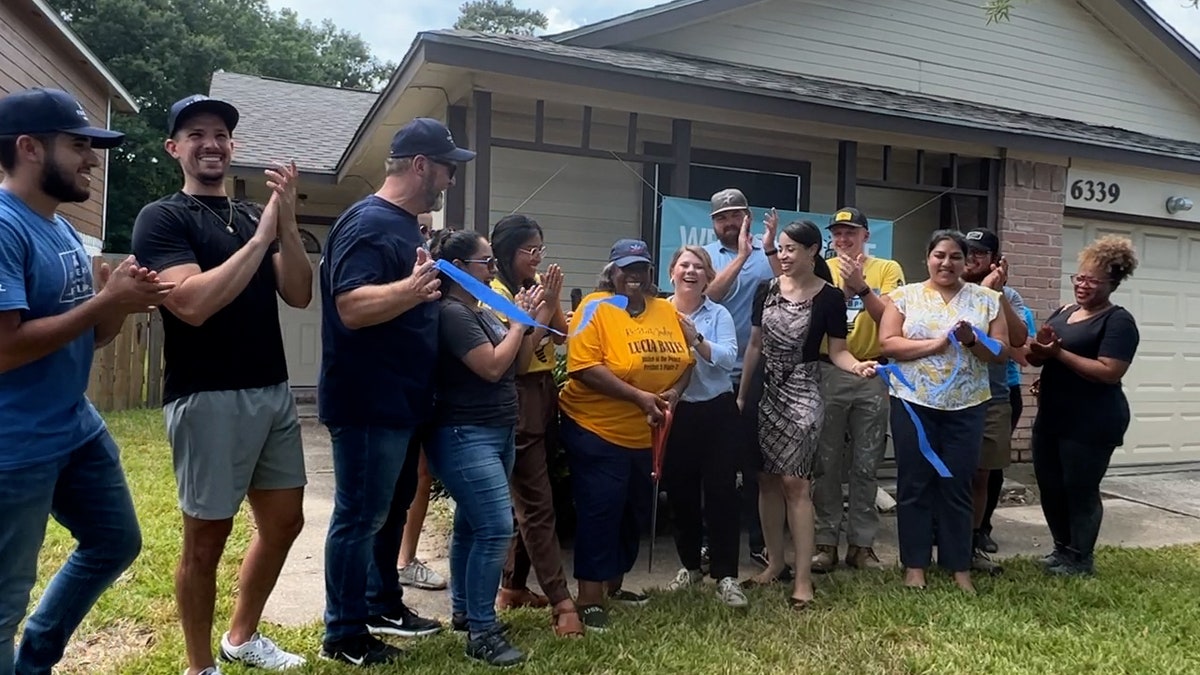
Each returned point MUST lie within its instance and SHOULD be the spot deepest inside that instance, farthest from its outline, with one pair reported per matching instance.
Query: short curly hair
(1112, 253)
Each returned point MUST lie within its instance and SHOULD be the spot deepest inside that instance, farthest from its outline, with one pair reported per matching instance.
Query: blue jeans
(86, 493)
(374, 485)
(474, 463)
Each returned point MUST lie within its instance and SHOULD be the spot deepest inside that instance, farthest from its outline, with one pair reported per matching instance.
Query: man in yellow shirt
(854, 406)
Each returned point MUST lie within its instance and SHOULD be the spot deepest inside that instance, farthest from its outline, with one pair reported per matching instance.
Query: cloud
(558, 22)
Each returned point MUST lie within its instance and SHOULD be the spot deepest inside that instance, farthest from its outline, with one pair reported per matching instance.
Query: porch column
(482, 102)
(456, 196)
(847, 173)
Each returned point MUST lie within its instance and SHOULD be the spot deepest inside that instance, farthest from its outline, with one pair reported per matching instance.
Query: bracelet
(864, 292)
(529, 331)
(770, 253)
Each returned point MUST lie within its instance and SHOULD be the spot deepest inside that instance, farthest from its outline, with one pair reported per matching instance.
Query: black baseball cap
(848, 216)
(184, 108)
(626, 252)
(429, 137)
(982, 239)
(51, 111)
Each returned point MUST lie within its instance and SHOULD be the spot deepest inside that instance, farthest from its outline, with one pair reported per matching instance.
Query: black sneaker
(984, 541)
(458, 622)
(494, 649)
(628, 597)
(404, 623)
(361, 650)
(594, 617)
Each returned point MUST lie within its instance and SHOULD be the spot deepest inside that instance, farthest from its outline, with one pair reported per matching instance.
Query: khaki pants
(857, 407)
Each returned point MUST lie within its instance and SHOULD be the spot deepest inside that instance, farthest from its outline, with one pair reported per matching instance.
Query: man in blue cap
(379, 328)
(56, 456)
(230, 415)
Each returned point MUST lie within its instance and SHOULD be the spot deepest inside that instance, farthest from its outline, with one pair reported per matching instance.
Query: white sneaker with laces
(260, 652)
(730, 592)
(211, 670)
(418, 575)
(685, 578)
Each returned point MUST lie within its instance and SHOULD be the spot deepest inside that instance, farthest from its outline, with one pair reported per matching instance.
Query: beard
(435, 199)
(61, 185)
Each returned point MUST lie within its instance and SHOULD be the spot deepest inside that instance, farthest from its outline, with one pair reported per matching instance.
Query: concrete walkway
(1142, 509)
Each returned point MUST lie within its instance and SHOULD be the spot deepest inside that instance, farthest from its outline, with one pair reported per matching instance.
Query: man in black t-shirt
(379, 333)
(231, 419)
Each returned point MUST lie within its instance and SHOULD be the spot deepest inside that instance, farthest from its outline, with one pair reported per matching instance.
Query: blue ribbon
(502, 305)
(991, 344)
(892, 370)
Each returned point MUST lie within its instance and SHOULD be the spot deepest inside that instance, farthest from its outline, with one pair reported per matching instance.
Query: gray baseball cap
(729, 199)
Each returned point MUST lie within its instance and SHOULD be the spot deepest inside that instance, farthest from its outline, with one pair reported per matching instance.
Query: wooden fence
(127, 373)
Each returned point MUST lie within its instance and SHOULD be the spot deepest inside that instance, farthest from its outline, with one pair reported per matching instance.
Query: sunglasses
(490, 261)
(451, 167)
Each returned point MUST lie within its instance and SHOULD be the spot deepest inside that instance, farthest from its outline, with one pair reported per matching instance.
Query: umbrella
(658, 450)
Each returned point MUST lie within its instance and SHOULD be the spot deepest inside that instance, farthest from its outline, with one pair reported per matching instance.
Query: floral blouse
(926, 315)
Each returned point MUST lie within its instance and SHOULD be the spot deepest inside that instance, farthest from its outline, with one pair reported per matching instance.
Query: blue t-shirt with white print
(44, 271)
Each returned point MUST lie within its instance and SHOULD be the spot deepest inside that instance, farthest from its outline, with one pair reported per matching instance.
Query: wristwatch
(770, 253)
(699, 340)
(864, 292)
(529, 331)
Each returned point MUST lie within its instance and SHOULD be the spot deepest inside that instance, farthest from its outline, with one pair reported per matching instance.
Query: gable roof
(676, 14)
(283, 120)
(42, 9)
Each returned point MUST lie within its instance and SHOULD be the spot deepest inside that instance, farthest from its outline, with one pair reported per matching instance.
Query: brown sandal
(566, 622)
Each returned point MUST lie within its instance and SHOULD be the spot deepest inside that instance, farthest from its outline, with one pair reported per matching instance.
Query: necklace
(228, 204)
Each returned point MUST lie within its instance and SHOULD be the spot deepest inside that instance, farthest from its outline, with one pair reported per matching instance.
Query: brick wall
(1030, 223)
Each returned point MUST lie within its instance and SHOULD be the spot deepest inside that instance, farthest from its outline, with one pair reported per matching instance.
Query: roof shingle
(283, 120)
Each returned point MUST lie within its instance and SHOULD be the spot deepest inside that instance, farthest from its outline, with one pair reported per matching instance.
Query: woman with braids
(791, 316)
(518, 247)
(471, 445)
(1084, 349)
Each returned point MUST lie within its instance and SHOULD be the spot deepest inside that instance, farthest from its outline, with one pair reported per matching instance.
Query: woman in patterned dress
(792, 315)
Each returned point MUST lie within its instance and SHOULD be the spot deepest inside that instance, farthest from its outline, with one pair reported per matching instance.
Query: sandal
(515, 598)
(800, 605)
(566, 622)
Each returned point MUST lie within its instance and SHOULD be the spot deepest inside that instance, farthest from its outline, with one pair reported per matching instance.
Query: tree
(164, 50)
(496, 16)
(998, 10)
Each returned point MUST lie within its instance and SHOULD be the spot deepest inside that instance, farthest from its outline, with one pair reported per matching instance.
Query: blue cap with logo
(196, 104)
(629, 251)
(51, 111)
(428, 137)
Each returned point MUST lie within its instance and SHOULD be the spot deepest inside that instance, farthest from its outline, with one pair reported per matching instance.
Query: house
(37, 49)
(1077, 118)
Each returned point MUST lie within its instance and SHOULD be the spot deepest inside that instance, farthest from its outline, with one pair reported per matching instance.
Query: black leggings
(1068, 476)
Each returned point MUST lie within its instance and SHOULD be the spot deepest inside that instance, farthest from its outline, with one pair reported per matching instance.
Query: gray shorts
(226, 442)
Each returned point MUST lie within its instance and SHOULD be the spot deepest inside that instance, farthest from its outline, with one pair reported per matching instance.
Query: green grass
(1138, 616)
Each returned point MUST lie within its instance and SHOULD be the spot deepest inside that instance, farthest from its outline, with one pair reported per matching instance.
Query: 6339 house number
(1095, 191)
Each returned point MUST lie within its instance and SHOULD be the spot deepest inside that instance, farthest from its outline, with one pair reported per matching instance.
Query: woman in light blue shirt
(701, 459)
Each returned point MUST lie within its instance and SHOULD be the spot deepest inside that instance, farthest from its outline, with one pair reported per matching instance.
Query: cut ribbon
(887, 372)
(507, 308)
(990, 343)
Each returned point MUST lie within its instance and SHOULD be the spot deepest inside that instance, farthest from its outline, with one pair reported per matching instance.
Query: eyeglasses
(1087, 282)
(451, 167)
(534, 251)
(490, 261)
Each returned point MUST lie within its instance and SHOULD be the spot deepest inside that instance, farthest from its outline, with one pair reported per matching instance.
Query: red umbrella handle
(658, 449)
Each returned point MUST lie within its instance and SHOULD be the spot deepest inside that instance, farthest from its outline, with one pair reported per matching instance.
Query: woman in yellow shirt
(519, 249)
(627, 367)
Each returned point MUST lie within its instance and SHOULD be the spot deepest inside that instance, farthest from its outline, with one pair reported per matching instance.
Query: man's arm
(293, 271)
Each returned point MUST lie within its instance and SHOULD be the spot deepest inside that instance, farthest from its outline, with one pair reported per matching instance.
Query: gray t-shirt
(463, 398)
(998, 372)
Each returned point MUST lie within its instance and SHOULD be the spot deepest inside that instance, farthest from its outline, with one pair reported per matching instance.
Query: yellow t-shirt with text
(647, 351)
(544, 355)
(883, 276)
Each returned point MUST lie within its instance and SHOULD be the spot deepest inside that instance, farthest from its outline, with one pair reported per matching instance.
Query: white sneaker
(417, 575)
(684, 578)
(730, 592)
(211, 670)
(260, 652)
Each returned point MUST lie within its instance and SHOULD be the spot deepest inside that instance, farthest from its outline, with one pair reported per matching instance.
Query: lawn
(1139, 616)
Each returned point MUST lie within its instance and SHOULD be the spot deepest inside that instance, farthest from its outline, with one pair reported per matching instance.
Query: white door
(1163, 384)
(302, 327)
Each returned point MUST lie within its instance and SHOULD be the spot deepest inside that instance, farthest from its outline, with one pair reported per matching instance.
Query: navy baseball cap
(982, 239)
(51, 111)
(428, 137)
(629, 251)
(199, 103)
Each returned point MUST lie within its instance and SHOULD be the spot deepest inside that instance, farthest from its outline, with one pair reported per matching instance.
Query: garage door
(1163, 385)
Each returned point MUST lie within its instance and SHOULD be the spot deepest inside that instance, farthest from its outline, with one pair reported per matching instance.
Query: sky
(389, 27)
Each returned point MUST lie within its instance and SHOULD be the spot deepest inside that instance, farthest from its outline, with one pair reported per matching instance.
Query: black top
(828, 316)
(380, 375)
(464, 398)
(241, 345)
(1073, 407)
